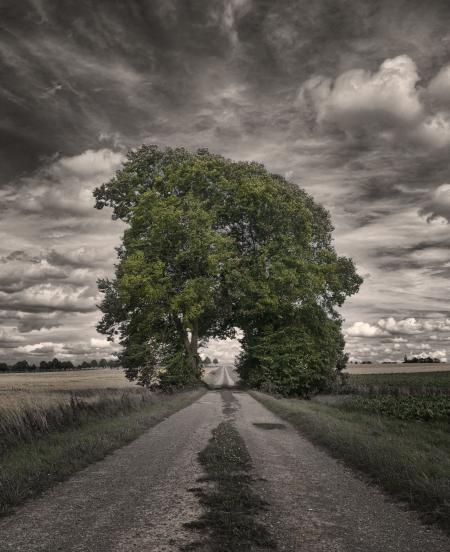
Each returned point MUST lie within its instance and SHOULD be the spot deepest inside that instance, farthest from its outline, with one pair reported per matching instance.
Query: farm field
(70, 381)
(412, 383)
(47, 390)
(401, 368)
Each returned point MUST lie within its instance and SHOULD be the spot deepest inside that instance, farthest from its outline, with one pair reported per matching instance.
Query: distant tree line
(56, 365)
(413, 360)
(207, 361)
(424, 360)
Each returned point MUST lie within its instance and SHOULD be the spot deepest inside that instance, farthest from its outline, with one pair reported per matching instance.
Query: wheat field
(35, 404)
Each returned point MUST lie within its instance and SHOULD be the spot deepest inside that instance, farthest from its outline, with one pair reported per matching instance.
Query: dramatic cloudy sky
(348, 98)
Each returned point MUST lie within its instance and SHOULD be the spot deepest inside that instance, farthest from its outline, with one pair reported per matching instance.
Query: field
(402, 368)
(71, 381)
(52, 424)
(395, 428)
(420, 383)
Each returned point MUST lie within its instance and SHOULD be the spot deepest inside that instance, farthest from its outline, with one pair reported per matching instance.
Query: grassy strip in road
(230, 504)
(409, 459)
(34, 466)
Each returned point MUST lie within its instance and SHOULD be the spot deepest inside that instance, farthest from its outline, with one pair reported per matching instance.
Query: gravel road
(138, 498)
(224, 377)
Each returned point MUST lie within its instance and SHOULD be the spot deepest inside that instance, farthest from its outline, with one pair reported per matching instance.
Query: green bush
(300, 357)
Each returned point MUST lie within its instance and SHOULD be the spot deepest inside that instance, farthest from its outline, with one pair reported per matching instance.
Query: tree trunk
(191, 346)
(193, 353)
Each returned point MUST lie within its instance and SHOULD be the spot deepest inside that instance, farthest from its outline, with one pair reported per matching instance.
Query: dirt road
(140, 498)
(224, 377)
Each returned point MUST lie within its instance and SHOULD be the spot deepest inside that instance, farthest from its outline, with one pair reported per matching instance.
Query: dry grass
(37, 463)
(32, 405)
(55, 423)
(70, 381)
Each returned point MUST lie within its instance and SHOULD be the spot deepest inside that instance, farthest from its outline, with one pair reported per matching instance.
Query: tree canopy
(212, 245)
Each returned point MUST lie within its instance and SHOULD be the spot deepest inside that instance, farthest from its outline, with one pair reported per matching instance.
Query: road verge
(408, 459)
(35, 466)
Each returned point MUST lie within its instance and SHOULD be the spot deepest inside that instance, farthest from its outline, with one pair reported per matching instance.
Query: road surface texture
(140, 497)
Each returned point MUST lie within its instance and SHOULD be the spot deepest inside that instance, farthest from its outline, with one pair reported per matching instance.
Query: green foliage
(295, 357)
(415, 383)
(212, 245)
(408, 407)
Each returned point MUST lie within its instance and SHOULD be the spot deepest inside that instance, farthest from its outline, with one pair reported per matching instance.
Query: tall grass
(26, 417)
(44, 443)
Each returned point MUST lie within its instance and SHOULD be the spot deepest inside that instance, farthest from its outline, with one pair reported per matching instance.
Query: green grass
(403, 407)
(409, 459)
(38, 463)
(411, 383)
(231, 506)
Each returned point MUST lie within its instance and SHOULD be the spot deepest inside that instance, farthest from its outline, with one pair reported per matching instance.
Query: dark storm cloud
(136, 68)
(348, 99)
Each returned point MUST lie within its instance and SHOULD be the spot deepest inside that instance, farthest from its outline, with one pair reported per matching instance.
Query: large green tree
(212, 245)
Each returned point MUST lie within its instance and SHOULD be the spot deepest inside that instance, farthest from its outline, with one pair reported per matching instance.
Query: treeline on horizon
(56, 365)
(406, 360)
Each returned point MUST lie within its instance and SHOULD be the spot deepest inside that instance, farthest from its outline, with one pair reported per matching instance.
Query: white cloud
(438, 204)
(53, 247)
(439, 87)
(44, 348)
(405, 326)
(413, 326)
(64, 187)
(387, 103)
(389, 329)
(433, 131)
(440, 354)
(47, 297)
(225, 350)
(363, 329)
(399, 340)
(100, 343)
(387, 97)
(88, 164)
